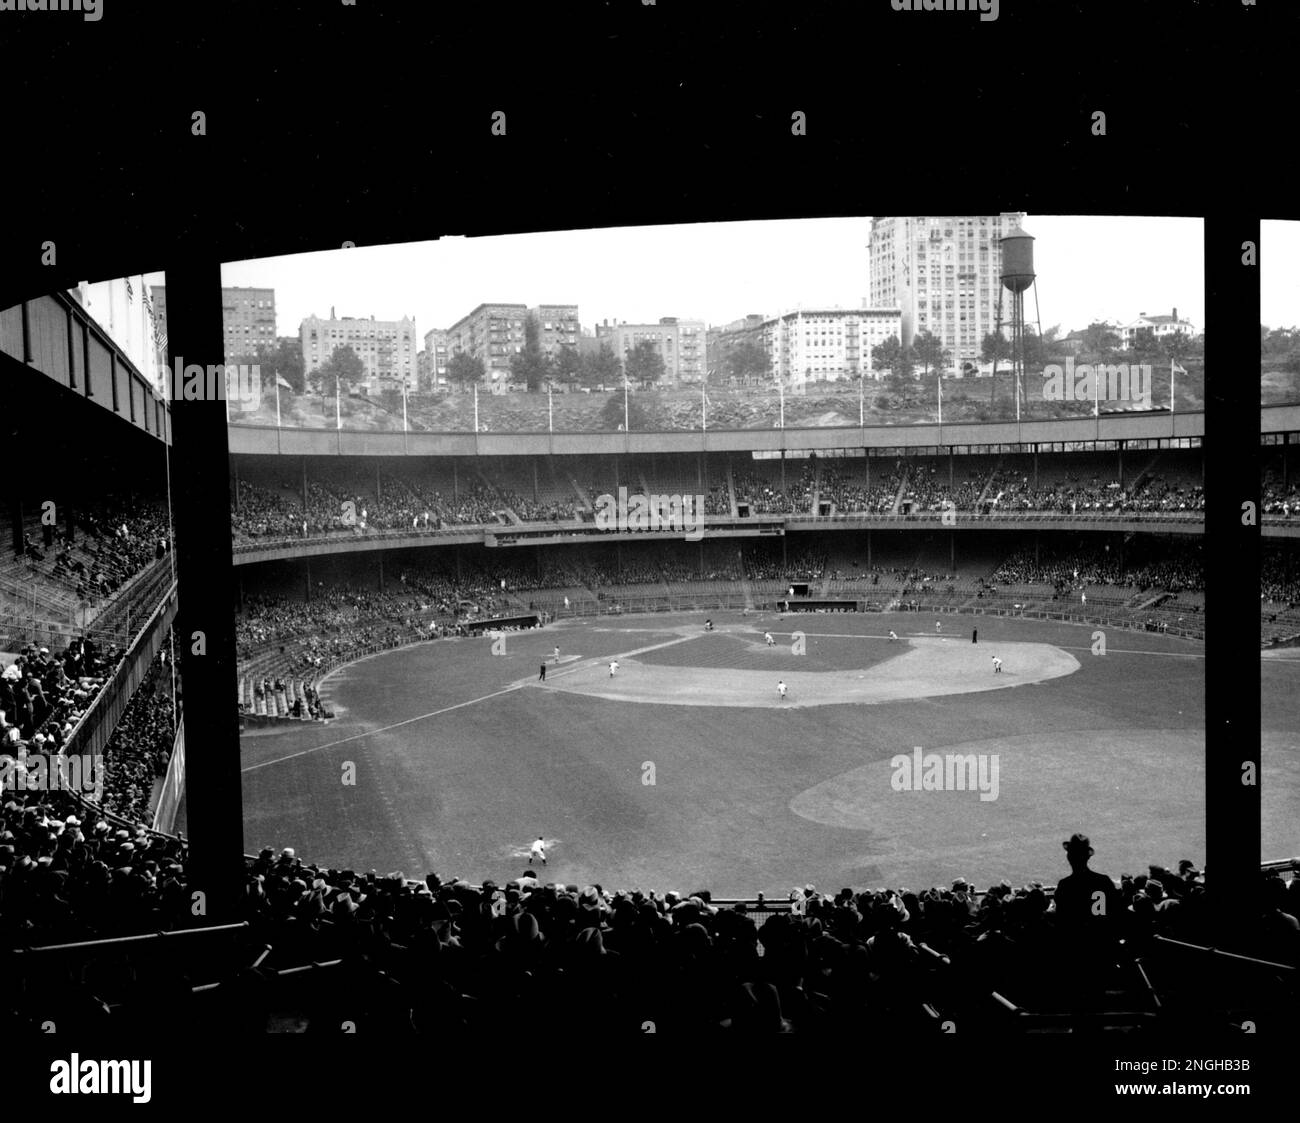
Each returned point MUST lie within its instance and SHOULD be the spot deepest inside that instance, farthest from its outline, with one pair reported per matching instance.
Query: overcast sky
(1279, 274)
(1088, 268)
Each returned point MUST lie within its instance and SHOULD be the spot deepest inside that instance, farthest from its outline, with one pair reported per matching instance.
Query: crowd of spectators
(1176, 568)
(1280, 500)
(442, 953)
(1279, 577)
(43, 696)
(99, 548)
(533, 510)
(847, 494)
(334, 615)
(138, 752)
(428, 502)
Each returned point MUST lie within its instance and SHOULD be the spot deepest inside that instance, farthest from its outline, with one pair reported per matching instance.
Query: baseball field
(687, 769)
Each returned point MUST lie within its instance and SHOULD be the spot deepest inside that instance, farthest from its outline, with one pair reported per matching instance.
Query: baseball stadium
(818, 726)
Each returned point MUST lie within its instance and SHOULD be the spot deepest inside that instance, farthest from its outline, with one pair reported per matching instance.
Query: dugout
(501, 623)
(819, 606)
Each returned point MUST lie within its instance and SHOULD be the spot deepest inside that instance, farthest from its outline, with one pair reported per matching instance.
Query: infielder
(538, 851)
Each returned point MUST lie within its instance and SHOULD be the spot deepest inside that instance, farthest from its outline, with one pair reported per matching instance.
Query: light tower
(1017, 278)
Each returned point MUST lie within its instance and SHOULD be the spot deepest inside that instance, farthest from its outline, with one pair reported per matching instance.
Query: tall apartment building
(387, 348)
(943, 274)
(683, 345)
(247, 319)
(436, 356)
(827, 344)
(557, 326)
(495, 333)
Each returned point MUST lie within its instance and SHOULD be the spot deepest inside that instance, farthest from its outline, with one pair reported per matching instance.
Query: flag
(280, 380)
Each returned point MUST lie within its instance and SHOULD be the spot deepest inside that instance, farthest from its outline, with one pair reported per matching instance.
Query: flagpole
(626, 429)
(476, 407)
(1172, 368)
(862, 414)
(704, 409)
(338, 408)
(277, 400)
(550, 412)
(940, 384)
(404, 427)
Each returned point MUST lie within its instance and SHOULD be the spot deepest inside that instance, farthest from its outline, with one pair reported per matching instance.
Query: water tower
(1017, 278)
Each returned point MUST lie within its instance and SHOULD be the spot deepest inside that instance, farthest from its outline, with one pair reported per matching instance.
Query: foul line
(383, 729)
(581, 664)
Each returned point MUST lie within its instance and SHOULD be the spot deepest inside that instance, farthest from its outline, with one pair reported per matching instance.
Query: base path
(925, 667)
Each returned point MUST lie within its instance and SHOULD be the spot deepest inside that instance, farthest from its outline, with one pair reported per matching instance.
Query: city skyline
(1089, 268)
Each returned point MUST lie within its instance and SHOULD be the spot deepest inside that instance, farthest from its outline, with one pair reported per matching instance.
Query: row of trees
(747, 362)
(1280, 349)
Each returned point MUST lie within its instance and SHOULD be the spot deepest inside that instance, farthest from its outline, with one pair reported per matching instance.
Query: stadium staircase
(492, 488)
(735, 510)
(273, 703)
(902, 490)
(583, 498)
(1140, 481)
(988, 485)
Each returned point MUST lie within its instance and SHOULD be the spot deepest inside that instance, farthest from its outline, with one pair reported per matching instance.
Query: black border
(622, 113)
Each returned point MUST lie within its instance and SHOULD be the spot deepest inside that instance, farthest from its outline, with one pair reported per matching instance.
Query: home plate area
(739, 669)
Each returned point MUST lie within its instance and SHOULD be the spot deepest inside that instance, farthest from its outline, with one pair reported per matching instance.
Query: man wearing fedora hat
(1087, 912)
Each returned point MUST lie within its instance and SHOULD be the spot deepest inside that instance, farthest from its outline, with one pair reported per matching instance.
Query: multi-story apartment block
(827, 344)
(681, 343)
(557, 326)
(495, 333)
(386, 348)
(436, 355)
(943, 274)
(247, 319)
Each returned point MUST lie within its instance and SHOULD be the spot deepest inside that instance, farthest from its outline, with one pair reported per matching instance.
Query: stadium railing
(588, 531)
(1130, 624)
(91, 734)
(113, 620)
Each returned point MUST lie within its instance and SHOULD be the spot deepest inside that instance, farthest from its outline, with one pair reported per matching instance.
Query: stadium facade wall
(57, 337)
(261, 440)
